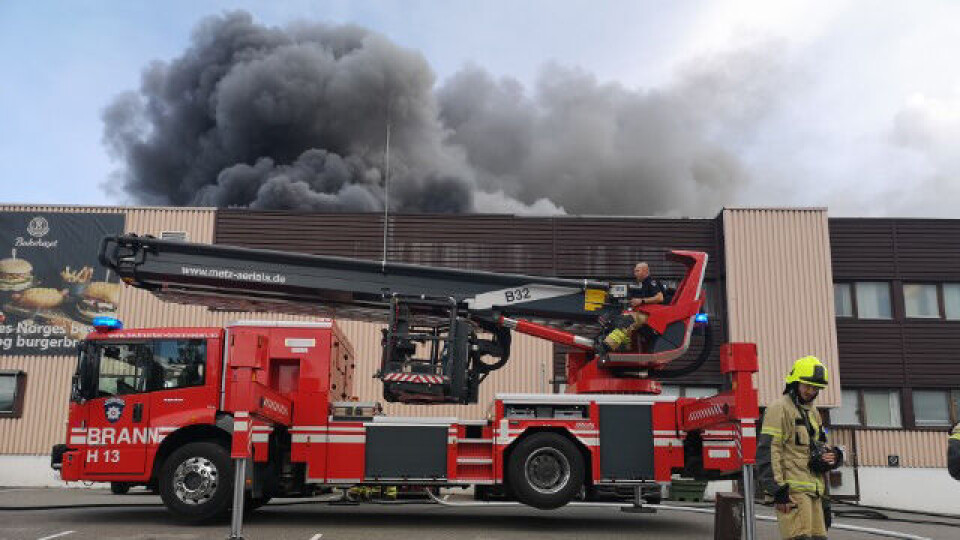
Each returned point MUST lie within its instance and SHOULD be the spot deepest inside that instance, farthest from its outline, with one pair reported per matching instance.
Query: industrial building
(878, 300)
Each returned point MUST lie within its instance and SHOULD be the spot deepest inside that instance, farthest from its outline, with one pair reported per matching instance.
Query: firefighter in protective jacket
(793, 456)
(953, 453)
(649, 291)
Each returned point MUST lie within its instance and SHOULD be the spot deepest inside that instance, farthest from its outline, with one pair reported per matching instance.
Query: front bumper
(67, 461)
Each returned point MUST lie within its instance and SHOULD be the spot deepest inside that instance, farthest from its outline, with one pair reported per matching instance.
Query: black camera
(817, 463)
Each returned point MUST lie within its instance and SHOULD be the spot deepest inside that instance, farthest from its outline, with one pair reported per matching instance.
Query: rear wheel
(196, 482)
(119, 488)
(546, 471)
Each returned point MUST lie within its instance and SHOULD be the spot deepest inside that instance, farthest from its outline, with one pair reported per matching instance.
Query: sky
(845, 104)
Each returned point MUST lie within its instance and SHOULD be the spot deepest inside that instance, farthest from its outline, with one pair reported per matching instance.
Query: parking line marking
(59, 534)
(317, 536)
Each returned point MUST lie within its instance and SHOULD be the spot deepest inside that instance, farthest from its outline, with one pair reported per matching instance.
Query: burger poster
(51, 283)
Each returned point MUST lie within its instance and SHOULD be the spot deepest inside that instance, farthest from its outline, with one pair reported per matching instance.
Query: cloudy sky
(631, 107)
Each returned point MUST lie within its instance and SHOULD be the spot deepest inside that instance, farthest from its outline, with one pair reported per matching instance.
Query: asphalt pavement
(139, 515)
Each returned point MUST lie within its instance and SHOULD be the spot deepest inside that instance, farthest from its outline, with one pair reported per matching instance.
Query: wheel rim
(547, 470)
(195, 481)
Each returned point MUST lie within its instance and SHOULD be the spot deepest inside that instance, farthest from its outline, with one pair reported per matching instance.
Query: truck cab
(139, 396)
(131, 390)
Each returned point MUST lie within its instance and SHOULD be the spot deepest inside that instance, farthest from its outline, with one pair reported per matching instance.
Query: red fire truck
(196, 412)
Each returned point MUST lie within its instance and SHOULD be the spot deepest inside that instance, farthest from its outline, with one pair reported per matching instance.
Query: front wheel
(119, 488)
(196, 482)
(546, 470)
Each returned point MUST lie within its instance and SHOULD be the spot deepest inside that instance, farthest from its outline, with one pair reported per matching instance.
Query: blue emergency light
(106, 324)
(701, 318)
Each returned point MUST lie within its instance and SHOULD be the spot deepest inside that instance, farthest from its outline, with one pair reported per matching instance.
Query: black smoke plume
(296, 118)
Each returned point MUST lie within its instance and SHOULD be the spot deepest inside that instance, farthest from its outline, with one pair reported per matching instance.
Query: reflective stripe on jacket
(783, 452)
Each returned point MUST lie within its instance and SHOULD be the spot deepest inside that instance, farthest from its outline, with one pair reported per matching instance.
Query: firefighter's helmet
(808, 370)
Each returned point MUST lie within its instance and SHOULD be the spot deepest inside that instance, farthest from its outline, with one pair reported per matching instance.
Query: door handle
(138, 412)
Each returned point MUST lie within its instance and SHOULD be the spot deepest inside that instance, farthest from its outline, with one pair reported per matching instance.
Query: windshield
(109, 368)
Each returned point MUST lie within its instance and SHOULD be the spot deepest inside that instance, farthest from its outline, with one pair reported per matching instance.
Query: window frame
(950, 403)
(859, 409)
(938, 292)
(851, 288)
(905, 419)
(900, 409)
(890, 300)
(19, 389)
(942, 293)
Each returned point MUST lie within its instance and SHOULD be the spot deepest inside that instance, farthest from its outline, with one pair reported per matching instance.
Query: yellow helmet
(808, 370)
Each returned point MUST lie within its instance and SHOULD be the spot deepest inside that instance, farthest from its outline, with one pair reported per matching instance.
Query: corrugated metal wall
(568, 246)
(46, 396)
(914, 448)
(780, 292)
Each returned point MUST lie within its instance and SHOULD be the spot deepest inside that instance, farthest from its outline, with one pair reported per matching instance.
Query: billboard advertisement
(51, 284)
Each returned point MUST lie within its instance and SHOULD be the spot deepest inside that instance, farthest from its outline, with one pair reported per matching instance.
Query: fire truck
(221, 418)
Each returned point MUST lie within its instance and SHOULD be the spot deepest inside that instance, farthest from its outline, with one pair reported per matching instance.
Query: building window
(869, 408)
(881, 408)
(951, 301)
(849, 413)
(873, 300)
(11, 393)
(920, 301)
(843, 299)
(931, 407)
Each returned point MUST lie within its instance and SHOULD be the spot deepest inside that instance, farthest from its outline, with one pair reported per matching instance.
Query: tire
(119, 488)
(196, 482)
(545, 471)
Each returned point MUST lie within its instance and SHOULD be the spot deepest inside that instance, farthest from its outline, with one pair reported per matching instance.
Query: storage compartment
(626, 442)
(406, 452)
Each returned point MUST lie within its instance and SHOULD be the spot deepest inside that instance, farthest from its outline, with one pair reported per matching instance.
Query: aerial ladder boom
(456, 320)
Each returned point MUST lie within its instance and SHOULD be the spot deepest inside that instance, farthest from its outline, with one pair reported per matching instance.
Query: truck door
(184, 389)
(117, 418)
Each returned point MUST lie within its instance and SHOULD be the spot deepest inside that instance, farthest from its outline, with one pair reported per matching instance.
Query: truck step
(474, 461)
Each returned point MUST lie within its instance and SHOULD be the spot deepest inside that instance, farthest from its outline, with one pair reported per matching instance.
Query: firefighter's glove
(839, 453)
(782, 495)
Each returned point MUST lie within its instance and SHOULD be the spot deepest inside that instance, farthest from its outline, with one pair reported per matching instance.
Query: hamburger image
(99, 299)
(34, 300)
(15, 274)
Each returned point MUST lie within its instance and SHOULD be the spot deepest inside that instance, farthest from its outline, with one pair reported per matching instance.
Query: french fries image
(82, 275)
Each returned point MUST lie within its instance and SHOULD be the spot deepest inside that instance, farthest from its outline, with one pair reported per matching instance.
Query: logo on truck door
(113, 409)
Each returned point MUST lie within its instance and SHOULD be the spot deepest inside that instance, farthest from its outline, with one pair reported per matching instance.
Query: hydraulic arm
(446, 328)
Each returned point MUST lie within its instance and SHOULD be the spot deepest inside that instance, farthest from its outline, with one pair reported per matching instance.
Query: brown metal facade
(899, 352)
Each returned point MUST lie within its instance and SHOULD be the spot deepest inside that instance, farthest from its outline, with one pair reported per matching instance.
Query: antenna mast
(386, 190)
